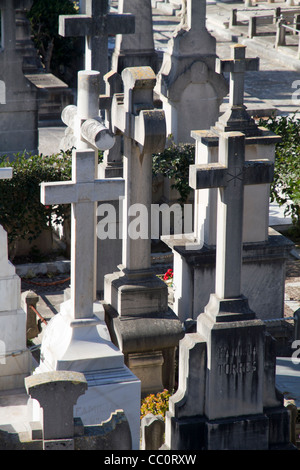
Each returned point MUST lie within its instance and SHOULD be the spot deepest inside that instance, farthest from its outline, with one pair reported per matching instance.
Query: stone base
(263, 275)
(252, 432)
(149, 342)
(135, 293)
(85, 346)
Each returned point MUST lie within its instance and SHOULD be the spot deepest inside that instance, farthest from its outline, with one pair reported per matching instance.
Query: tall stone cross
(231, 174)
(96, 25)
(236, 116)
(144, 131)
(83, 193)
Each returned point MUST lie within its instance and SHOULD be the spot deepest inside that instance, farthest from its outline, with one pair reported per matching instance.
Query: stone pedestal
(85, 346)
(263, 275)
(221, 402)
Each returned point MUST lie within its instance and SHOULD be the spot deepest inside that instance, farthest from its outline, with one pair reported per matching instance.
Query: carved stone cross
(231, 174)
(96, 25)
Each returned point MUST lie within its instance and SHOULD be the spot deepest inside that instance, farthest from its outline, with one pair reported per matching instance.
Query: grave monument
(15, 358)
(136, 49)
(77, 338)
(187, 84)
(96, 24)
(226, 399)
(264, 250)
(135, 300)
(19, 96)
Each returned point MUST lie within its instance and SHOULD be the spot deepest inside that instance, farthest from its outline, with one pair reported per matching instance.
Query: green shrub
(174, 163)
(156, 404)
(285, 189)
(56, 53)
(21, 213)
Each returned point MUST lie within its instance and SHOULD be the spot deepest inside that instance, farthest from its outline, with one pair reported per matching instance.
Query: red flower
(168, 274)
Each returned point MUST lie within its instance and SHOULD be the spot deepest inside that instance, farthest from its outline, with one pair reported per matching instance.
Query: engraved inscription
(239, 360)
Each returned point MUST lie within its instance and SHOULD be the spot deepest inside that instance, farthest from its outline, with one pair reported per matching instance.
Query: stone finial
(57, 392)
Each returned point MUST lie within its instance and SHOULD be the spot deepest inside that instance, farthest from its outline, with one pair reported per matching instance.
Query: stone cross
(231, 174)
(84, 191)
(144, 131)
(85, 127)
(96, 25)
(237, 116)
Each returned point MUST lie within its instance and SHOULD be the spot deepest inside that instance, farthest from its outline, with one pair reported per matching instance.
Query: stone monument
(187, 84)
(264, 250)
(136, 301)
(18, 104)
(95, 25)
(136, 49)
(77, 338)
(226, 399)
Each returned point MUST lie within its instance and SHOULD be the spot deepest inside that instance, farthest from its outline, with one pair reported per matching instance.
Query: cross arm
(258, 172)
(234, 65)
(108, 189)
(120, 23)
(58, 192)
(150, 130)
(75, 25)
(207, 176)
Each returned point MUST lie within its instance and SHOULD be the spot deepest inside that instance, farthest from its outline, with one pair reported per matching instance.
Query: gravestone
(77, 338)
(96, 24)
(226, 399)
(136, 301)
(19, 108)
(15, 357)
(264, 250)
(187, 84)
(56, 429)
(136, 49)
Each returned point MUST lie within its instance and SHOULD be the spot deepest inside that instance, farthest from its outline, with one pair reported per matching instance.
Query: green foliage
(21, 213)
(156, 404)
(174, 163)
(285, 188)
(55, 51)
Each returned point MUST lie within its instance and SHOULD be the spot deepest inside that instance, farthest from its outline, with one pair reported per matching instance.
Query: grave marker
(77, 338)
(96, 25)
(234, 367)
(18, 97)
(264, 251)
(135, 299)
(187, 82)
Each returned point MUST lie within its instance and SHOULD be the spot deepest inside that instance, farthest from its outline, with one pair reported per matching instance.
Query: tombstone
(56, 429)
(96, 24)
(15, 358)
(187, 84)
(136, 49)
(135, 300)
(77, 338)
(264, 250)
(20, 105)
(226, 399)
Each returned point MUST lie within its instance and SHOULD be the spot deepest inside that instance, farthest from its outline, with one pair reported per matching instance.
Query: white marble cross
(231, 174)
(96, 25)
(144, 131)
(83, 192)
